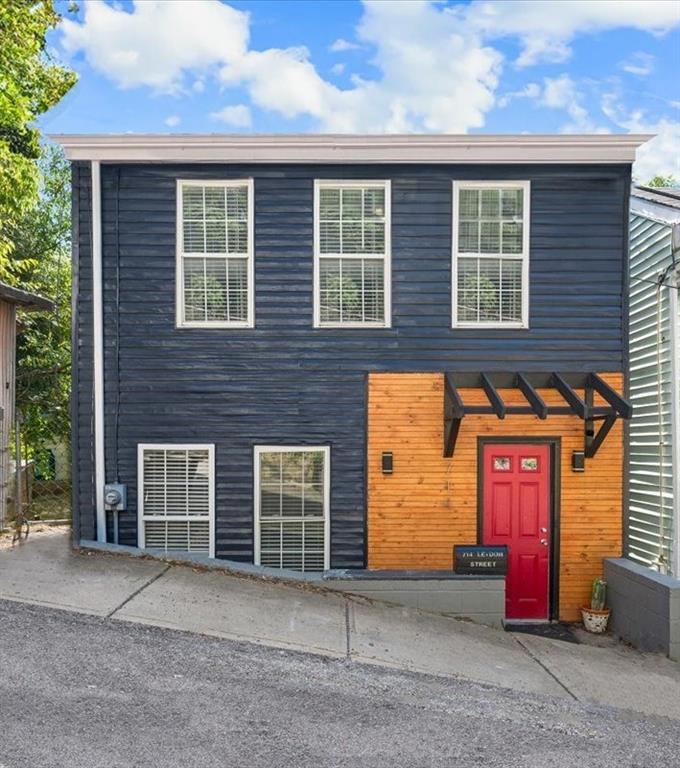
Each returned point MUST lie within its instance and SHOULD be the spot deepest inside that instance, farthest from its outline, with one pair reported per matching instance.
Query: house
(645, 585)
(10, 299)
(348, 354)
(653, 530)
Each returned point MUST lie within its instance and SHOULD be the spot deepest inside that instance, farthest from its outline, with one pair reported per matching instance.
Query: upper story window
(491, 254)
(215, 254)
(352, 254)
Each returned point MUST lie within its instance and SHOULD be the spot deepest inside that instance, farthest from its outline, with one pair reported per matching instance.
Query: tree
(41, 256)
(663, 181)
(30, 84)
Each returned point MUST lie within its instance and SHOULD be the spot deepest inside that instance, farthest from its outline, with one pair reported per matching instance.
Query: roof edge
(24, 299)
(353, 148)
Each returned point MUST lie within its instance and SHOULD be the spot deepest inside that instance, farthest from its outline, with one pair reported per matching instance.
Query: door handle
(544, 542)
(544, 530)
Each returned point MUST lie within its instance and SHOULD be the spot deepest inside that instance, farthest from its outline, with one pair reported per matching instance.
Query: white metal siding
(650, 462)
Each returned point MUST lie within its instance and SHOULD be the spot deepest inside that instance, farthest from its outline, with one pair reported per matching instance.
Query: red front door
(516, 512)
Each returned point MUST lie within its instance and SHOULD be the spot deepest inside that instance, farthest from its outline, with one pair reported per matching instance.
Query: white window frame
(526, 219)
(141, 447)
(180, 321)
(260, 449)
(319, 184)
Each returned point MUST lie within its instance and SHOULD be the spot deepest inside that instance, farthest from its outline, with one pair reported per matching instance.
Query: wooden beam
(454, 411)
(575, 402)
(536, 402)
(618, 403)
(494, 398)
(592, 444)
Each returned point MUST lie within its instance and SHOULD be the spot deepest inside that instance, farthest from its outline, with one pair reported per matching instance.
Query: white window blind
(215, 269)
(291, 509)
(175, 499)
(352, 254)
(490, 248)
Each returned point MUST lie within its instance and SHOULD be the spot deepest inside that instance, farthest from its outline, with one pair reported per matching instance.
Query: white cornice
(345, 148)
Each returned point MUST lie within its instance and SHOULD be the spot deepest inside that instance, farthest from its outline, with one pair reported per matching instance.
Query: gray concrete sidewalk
(44, 571)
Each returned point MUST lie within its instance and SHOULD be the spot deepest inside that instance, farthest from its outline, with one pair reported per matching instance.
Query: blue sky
(493, 66)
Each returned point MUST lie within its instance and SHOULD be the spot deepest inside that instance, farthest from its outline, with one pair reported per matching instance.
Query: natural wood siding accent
(416, 515)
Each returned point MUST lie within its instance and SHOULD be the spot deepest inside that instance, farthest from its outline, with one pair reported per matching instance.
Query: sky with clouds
(377, 66)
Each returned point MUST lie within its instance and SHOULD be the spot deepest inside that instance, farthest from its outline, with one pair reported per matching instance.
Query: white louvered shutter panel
(176, 498)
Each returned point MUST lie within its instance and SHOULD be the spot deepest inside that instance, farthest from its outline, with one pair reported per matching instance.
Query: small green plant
(598, 595)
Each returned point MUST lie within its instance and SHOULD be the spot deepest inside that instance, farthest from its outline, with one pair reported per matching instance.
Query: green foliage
(41, 260)
(663, 181)
(30, 84)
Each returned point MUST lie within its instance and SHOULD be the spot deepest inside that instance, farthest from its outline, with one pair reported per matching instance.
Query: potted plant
(596, 617)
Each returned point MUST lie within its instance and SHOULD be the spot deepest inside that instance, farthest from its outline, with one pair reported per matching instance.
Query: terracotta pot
(595, 621)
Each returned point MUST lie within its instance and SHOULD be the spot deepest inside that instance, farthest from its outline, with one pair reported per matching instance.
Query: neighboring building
(653, 531)
(355, 352)
(10, 299)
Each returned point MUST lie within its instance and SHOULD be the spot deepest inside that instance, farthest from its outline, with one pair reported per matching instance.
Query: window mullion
(226, 288)
(340, 223)
(205, 289)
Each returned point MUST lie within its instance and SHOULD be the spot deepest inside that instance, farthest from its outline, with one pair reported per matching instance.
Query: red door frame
(555, 444)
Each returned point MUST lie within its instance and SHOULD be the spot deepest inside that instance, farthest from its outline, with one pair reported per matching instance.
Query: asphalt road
(82, 691)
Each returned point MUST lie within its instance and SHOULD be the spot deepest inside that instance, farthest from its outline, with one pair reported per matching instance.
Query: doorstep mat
(553, 631)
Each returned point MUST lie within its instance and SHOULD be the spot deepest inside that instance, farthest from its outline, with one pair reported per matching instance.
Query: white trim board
(352, 148)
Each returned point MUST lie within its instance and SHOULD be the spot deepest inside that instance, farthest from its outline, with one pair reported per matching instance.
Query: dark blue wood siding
(287, 383)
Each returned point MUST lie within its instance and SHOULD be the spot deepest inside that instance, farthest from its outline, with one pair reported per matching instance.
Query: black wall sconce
(387, 463)
(578, 461)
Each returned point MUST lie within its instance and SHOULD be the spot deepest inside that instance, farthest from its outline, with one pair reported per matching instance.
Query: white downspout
(98, 352)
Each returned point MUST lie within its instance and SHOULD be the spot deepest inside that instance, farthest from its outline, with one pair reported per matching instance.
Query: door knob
(544, 542)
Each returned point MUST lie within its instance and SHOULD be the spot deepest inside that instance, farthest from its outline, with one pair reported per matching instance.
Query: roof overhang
(24, 299)
(566, 385)
(352, 148)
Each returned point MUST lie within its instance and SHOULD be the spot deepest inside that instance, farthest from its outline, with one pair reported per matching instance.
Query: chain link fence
(36, 479)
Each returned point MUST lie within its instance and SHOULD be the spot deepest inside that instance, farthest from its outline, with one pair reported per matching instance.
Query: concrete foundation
(645, 607)
(480, 599)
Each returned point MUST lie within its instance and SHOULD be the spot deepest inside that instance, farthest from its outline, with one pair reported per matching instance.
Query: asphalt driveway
(82, 691)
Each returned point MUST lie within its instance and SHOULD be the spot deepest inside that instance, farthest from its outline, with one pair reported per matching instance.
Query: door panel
(516, 512)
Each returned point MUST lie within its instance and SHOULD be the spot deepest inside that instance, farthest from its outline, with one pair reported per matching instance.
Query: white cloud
(639, 63)
(343, 45)
(338, 69)
(562, 93)
(435, 68)
(659, 156)
(237, 115)
(172, 120)
(546, 27)
(530, 91)
(156, 43)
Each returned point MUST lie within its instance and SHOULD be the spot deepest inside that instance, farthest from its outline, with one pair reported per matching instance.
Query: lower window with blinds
(292, 507)
(176, 498)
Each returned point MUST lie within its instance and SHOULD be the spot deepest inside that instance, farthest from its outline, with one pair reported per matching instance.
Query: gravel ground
(82, 691)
